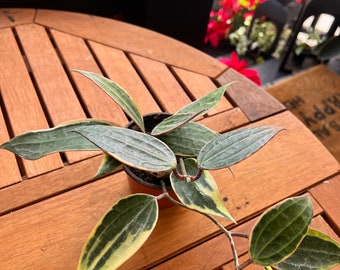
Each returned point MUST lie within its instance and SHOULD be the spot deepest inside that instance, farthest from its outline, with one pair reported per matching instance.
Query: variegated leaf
(317, 251)
(120, 233)
(109, 165)
(206, 102)
(202, 195)
(188, 140)
(118, 94)
(187, 113)
(173, 122)
(280, 230)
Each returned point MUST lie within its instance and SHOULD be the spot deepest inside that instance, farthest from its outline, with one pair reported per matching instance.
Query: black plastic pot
(146, 182)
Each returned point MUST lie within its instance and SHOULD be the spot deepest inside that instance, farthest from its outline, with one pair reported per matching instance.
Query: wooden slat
(199, 85)
(21, 101)
(51, 233)
(225, 121)
(59, 98)
(230, 265)
(10, 17)
(216, 251)
(164, 86)
(48, 235)
(133, 39)
(47, 185)
(97, 103)
(327, 195)
(119, 69)
(256, 185)
(9, 169)
(253, 100)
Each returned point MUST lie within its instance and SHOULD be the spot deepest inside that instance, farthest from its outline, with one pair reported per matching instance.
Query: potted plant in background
(182, 151)
(230, 21)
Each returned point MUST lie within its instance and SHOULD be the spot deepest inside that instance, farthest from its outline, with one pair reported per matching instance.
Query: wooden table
(49, 206)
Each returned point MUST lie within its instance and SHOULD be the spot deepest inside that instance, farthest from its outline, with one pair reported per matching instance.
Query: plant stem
(238, 234)
(183, 169)
(184, 176)
(224, 230)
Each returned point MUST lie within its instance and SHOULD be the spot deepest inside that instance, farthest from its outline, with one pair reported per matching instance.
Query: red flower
(221, 21)
(216, 31)
(230, 6)
(240, 66)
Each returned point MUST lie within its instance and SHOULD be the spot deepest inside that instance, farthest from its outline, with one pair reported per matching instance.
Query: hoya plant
(182, 151)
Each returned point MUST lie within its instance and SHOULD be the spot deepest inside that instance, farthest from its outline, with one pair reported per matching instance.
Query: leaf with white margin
(316, 251)
(280, 230)
(202, 194)
(118, 94)
(196, 108)
(188, 140)
(109, 165)
(120, 233)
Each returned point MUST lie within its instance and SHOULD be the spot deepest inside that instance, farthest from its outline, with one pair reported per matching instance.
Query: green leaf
(317, 251)
(328, 49)
(280, 230)
(235, 146)
(173, 122)
(120, 233)
(118, 94)
(188, 140)
(109, 165)
(133, 148)
(36, 144)
(207, 102)
(187, 113)
(202, 194)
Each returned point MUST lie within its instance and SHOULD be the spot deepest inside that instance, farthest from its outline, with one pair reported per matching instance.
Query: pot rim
(142, 181)
(127, 168)
(128, 125)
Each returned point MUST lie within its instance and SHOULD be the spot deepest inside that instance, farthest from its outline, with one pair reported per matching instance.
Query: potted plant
(182, 151)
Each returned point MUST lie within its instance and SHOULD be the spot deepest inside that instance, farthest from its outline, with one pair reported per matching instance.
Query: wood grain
(199, 85)
(51, 234)
(57, 94)
(225, 121)
(51, 215)
(118, 68)
(47, 185)
(327, 195)
(217, 251)
(81, 207)
(10, 172)
(253, 100)
(133, 39)
(95, 101)
(164, 86)
(10, 17)
(14, 78)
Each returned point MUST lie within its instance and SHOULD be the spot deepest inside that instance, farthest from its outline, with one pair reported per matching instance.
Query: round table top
(49, 206)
